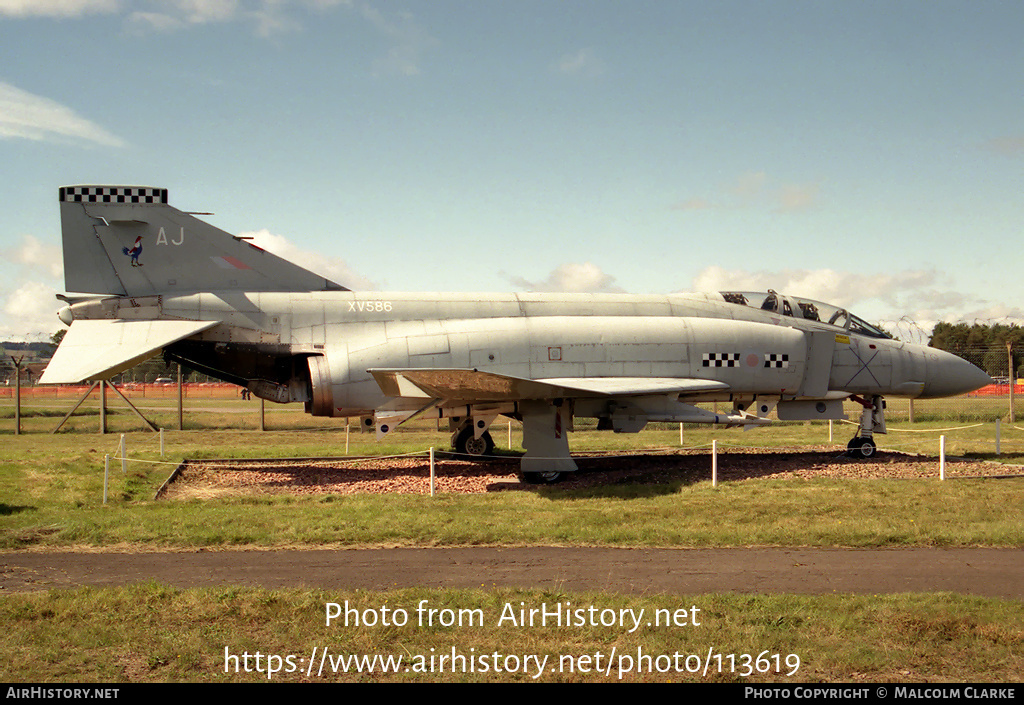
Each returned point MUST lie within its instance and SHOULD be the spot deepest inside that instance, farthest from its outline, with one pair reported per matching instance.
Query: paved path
(976, 571)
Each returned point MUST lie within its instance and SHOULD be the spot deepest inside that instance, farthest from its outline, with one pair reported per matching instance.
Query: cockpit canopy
(806, 309)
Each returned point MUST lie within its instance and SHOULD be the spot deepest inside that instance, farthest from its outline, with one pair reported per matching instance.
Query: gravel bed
(207, 478)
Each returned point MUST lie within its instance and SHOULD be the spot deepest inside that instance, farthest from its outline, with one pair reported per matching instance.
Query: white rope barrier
(933, 430)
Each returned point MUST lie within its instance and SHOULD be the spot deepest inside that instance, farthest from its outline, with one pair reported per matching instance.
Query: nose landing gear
(872, 420)
(861, 447)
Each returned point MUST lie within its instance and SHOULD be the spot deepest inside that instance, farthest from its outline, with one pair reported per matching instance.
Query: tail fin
(127, 240)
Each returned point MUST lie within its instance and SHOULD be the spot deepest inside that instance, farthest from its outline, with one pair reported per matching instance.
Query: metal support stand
(181, 416)
(103, 407)
(17, 394)
(152, 426)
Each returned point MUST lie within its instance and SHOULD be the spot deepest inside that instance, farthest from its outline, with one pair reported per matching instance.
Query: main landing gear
(872, 420)
(466, 442)
(543, 478)
(546, 425)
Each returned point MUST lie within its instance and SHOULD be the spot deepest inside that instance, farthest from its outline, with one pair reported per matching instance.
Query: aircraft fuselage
(534, 336)
(168, 282)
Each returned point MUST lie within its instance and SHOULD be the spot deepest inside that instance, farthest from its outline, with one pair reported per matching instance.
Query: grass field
(51, 498)
(150, 632)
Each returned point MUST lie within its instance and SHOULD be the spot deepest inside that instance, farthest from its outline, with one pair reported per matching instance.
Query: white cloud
(693, 204)
(28, 304)
(571, 278)
(907, 303)
(155, 21)
(30, 313)
(756, 189)
(845, 289)
(202, 11)
(334, 268)
(171, 15)
(1007, 145)
(749, 184)
(407, 40)
(267, 16)
(32, 117)
(796, 197)
(581, 63)
(37, 255)
(56, 8)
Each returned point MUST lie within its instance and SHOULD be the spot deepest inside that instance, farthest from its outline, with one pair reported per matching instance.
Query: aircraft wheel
(543, 478)
(470, 445)
(860, 448)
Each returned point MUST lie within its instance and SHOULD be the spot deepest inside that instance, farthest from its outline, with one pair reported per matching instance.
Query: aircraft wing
(99, 349)
(475, 386)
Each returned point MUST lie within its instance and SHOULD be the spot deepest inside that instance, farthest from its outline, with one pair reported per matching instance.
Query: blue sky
(869, 154)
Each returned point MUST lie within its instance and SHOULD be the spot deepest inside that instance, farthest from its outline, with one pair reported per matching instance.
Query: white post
(998, 426)
(431, 471)
(942, 457)
(680, 434)
(17, 396)
(106, 475)
(346, 436)
(830, 431)
(124, 456)
(161, 443)
(714, 463)
(510, 434)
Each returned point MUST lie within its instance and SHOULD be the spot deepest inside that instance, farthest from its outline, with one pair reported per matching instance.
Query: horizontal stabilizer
(475, 386)
(100, 349)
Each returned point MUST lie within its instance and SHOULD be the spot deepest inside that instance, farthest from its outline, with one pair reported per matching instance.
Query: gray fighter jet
(155, 279)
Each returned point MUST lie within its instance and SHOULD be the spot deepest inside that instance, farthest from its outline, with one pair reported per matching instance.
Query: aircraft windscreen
(806, 309)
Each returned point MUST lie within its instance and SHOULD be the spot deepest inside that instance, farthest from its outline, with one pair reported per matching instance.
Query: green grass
(51, 498)
(164, 634)
(51, 492)
(763, 513)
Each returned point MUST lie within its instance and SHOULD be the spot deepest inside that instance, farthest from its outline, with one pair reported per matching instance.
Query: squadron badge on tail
(134, 251)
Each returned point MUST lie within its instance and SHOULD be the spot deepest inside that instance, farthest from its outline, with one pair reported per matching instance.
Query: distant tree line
(985, 346)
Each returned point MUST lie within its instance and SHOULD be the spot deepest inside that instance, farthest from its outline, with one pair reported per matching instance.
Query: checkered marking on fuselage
(776, 360)
(721, 360)
(112, 194)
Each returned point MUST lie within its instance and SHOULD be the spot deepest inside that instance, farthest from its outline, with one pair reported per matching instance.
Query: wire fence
(982, 422)
(149, 390)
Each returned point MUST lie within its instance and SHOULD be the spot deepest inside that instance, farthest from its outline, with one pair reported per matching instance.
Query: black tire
(543, 478)
(861, 448)
(469, 445)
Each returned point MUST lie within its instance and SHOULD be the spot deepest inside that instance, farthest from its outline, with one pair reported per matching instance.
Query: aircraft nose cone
(949, 375)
